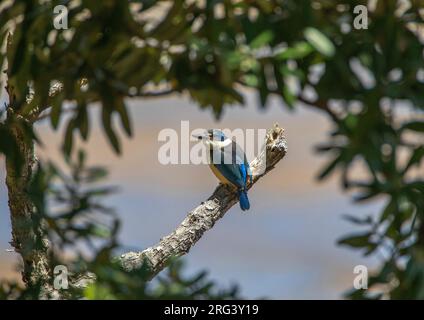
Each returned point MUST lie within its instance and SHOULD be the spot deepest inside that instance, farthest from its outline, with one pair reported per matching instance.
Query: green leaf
(286, 71)
(414, 126)
(358, 220)
(125, 120)
(95, 173)
(288, 97)
(262, 39)
(415, 158)
(101, 231)
(69, 137)
(319, 41)
(298, 51)
(263, 88)
(356, 241)
(107, 126)
(389, 210)
(330, 167)
(250, 80)
(56, 111)
(83, 121)
(81, 158)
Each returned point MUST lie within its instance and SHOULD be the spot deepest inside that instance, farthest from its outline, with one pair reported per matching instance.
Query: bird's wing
(241, 159)
(233, 173)
(233, 165)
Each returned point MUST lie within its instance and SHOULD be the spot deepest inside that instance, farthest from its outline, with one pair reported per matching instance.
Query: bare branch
(38, 115)
(204, 217)
(319, 104)
(46, 115)
(154, 94)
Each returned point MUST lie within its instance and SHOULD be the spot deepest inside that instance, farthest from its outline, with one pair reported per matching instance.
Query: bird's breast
(219, 175)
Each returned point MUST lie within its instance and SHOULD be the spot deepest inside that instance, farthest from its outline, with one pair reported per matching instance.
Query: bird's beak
(201, 136)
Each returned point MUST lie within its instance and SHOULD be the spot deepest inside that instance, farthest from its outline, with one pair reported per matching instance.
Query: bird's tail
(244, 200)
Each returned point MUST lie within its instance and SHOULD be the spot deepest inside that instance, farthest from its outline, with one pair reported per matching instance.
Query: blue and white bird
(229, 163)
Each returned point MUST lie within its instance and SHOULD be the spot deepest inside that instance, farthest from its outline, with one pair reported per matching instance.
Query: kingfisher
(228, 162)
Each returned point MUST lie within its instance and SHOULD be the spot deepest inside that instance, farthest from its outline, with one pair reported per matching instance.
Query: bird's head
(212, 137)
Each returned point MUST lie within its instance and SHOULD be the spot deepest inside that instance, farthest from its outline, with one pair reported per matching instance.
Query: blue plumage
(244, 200)
(228, 162)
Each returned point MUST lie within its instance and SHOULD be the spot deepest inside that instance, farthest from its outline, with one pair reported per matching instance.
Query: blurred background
(284, 247)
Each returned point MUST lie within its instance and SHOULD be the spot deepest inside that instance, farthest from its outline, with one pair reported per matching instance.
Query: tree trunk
(27, 238)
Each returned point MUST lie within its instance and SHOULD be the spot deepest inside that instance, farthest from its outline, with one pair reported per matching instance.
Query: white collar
(222, 144)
